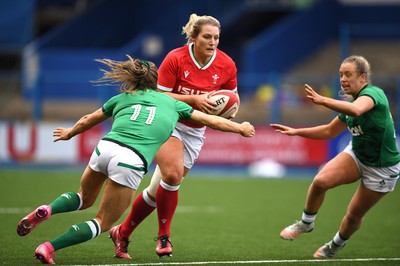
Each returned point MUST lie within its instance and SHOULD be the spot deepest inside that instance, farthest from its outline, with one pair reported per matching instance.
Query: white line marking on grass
(251, 262)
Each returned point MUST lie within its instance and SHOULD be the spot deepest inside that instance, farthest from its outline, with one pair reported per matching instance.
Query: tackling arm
(215, 122)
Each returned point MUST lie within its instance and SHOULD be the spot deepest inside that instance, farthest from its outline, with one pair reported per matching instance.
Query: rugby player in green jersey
(372, 155)
(143, 119)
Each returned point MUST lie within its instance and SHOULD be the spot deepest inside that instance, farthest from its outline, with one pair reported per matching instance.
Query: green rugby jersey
(373, 133)
(144, 120)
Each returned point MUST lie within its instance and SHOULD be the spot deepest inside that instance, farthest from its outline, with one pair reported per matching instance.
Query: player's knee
(171, 176)
(321, 183)
(172, 180)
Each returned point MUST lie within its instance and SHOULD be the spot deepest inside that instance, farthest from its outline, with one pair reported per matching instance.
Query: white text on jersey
(189, 91)
(356, 131)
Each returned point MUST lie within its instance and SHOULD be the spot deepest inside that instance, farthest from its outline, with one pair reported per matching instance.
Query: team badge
(215, 78)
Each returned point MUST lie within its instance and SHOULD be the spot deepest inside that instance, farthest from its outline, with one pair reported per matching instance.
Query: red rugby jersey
(180, 73)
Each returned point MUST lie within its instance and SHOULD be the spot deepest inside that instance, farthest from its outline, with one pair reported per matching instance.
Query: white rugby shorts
(192, 139)
(120, 164)
(379, 179)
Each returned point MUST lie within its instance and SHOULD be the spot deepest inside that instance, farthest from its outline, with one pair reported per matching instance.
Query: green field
(219, 221)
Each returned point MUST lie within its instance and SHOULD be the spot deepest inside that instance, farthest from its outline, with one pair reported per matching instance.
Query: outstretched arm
(331, 130)
(83, 124)
(358, 107)
(219, 123)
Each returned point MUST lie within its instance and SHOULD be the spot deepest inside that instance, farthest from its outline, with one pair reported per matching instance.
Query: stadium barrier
(31, 142)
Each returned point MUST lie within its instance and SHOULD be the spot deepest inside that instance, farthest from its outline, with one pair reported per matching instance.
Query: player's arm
(328, 131)
(84, 123)
(215, 122)
(361, 105)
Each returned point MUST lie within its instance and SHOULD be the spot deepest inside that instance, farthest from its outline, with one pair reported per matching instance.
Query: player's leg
(143, 205)
(376, 183)
(115, 200)
(91, 183)
(170, 160)
(340, 170)
(67, 202)
(363, 200)
(167, 193)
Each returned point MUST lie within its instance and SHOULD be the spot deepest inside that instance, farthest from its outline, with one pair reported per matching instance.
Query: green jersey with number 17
(374, 137)
(144, 120)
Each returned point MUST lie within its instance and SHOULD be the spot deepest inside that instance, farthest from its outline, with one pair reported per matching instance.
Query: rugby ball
(226, 103)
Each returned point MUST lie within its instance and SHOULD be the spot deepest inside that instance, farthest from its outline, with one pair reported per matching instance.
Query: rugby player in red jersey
(188, 74)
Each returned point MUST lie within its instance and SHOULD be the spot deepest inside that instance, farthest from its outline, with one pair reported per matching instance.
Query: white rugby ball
(226, 103)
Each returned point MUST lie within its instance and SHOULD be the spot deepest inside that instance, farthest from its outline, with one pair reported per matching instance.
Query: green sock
(78, 233)
(67, 202)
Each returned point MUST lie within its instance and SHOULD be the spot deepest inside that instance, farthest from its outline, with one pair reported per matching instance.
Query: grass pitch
(220, 220)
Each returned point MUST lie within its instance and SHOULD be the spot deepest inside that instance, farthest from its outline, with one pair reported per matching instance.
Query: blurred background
(48, 47)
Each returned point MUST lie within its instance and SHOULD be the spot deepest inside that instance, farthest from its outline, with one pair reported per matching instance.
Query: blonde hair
(193, 28)
(362, 65)
(131, 75)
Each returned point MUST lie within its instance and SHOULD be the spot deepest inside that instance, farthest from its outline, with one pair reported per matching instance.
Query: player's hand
(61, 133)
(311, 94)
(247, 129)
(203, 103)
(284, 129)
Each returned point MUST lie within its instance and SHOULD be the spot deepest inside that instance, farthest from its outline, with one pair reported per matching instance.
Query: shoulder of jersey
(225, 56)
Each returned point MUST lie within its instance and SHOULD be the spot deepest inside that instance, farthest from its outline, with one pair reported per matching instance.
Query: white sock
(338, 240)
(308, 218)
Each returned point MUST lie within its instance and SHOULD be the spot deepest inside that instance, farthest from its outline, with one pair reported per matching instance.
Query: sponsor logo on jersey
(356, 131)
(189, 91)
(186, 73)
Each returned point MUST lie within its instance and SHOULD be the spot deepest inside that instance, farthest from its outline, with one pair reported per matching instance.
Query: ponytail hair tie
(145, 63)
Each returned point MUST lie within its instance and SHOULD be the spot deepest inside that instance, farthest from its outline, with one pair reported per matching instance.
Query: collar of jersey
(190, 47)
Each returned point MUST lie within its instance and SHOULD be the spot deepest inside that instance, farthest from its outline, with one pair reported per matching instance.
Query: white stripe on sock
(169, 187)
(96, 230)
